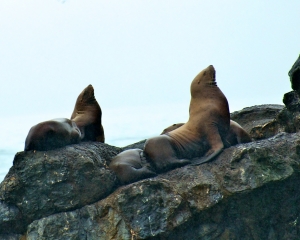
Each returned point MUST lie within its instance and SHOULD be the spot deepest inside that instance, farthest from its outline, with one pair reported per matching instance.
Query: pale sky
(141, 57)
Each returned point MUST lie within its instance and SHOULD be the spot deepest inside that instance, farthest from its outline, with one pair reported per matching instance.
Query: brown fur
(129, 168)
(171, 128)
(202, 135)
(235, 135)
(87, 115)
(52, 134)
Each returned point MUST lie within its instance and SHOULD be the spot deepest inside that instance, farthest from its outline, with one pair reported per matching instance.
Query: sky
(141, 57)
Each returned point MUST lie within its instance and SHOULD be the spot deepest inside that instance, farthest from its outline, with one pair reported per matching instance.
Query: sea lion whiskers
(213, 83)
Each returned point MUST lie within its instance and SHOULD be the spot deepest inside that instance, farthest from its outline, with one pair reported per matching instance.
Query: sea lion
(129, 167)
(202, 135)
(87, 116)
(85, 125)
(52, 134)
(236, 133)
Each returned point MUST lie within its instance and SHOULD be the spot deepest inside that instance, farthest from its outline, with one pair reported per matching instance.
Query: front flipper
(205, 159)
(216, 146)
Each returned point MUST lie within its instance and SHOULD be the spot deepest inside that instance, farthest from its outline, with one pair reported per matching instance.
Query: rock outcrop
(42, 183)
(250, 191)
(294, 74)
(69, 193)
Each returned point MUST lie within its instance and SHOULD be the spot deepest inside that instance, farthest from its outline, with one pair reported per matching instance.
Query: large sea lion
(52, 134)
(87, 115)
(130, 166)
(236, 133)
(202, 135)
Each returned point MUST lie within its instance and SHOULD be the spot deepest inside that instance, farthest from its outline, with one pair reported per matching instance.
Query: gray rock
(250, 117)
(287, 120)
(43, 183)
(294, 74)
(10, 216)
(11, 237)
(251, 191)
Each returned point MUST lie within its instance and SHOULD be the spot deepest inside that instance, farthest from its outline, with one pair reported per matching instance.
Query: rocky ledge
(250, 191)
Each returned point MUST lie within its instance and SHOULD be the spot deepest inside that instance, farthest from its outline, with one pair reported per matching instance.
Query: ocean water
(122, 126)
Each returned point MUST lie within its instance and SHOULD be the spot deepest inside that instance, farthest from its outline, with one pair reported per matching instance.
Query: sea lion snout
(211, 71)
(88, 94)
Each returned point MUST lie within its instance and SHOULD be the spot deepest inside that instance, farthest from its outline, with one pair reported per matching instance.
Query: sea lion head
(87, 115)
(52, 134)
(207, 77)
(87, 95)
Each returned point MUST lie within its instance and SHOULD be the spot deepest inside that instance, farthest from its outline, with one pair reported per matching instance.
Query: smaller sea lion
(236, 133)
(129, 166)
(85, 125)
(87, 116)
(52, 134)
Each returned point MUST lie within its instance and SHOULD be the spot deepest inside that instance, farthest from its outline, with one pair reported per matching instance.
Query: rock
(294, 74)
(250, 117)
(251, 191)
(287, 120)
(11, 237)
(43, 183)
(69, 193)
(10, 217)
